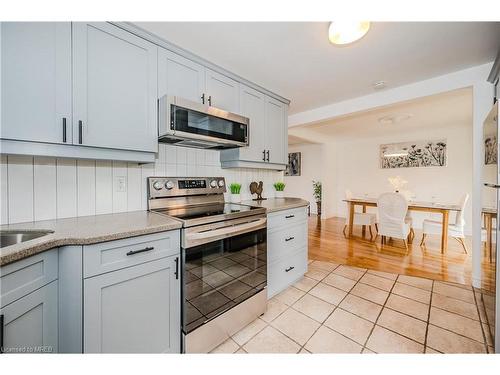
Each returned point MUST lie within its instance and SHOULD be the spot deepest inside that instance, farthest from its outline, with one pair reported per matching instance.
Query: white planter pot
(279, 194)
(235, 198)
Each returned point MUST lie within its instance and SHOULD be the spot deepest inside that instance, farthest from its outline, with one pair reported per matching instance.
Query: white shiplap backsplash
(40, 188)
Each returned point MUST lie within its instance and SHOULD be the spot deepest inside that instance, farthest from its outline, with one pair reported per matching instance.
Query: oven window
(194, 122)
(219, 275)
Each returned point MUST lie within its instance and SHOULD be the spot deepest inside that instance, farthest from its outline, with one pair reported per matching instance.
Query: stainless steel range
(223, 260)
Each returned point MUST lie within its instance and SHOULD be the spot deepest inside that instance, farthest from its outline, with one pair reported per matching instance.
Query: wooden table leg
(363, 229)
(444, 234)
(489, 233)
(351, 217)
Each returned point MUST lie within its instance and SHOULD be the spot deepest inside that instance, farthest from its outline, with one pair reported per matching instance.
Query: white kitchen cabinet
(115, 88)
(134, 310)
(286, 248)
(277, 131)
(267, 133)
(222, 92)
(36, 81)
(178, 76)
(30, 323)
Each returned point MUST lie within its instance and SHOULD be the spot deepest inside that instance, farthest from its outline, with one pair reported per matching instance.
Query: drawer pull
(132, 252)
(289, 216)
(289, 269)
(289, 239)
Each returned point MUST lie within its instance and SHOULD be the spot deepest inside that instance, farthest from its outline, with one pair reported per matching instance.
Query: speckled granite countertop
(84, 230)
(278, 204)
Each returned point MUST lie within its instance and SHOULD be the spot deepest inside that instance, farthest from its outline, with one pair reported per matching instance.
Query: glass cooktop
(208, 211)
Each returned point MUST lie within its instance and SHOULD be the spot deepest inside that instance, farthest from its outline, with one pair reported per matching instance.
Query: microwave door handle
(227, 230)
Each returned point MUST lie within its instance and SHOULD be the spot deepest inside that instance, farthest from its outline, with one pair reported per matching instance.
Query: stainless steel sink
(8, 238)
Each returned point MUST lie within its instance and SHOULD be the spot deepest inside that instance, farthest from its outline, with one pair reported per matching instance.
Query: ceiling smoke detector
(379, 85)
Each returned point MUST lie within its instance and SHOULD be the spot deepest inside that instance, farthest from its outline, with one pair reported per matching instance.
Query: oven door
(225, 265)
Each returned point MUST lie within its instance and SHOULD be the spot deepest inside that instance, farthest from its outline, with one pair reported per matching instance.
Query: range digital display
(192, 184)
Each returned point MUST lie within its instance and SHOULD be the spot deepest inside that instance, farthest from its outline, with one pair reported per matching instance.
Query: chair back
(459, 219)
(392, 208)
(348, 194)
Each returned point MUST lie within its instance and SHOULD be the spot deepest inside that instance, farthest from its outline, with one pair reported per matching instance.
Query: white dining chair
(456, 230)
(361, 218)
(392, 218)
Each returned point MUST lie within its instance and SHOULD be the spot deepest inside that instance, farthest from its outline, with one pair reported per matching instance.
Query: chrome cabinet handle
(264, 155)
(210, 100)
(203, 99)
(289, 216)
(64, 129)
(289, 269)
(267, 155)
(80, 132)
(132, 252)
(289, 239)
(494, 186)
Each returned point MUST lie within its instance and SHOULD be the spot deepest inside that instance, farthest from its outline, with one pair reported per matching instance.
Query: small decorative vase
(235, 198)
(279, 194)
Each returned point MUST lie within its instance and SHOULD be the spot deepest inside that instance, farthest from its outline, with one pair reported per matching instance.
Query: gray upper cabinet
(178, 76)
(276, 128)
(133, 310)
(115, 88)
(253, 106)
(30, 323)
(36, 81)
(222, 92)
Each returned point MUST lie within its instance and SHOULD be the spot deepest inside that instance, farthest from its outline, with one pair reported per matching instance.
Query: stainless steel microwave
(192, 124)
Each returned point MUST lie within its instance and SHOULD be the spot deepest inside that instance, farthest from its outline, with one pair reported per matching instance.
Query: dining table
(443, 209)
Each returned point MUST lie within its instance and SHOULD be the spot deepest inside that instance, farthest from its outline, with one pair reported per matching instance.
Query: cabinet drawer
(24, 276)
(285, 218)
(285, 272)
(115, 255)
(284, 242)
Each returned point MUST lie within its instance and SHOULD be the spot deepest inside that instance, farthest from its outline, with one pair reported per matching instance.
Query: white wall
(311, 162)
(39, 188)
(356, 168)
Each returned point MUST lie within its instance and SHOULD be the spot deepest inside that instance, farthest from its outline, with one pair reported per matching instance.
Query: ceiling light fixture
(345, 32)
(394, 119)
(379, 85)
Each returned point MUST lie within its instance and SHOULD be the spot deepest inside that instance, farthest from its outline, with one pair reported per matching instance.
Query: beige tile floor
(342, 309)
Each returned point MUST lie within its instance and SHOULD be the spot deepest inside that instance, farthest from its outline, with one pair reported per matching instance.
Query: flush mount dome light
(345, 32)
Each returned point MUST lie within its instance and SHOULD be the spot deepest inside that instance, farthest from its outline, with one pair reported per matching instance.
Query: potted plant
(279, 187)
(235, 192)
(317, 195)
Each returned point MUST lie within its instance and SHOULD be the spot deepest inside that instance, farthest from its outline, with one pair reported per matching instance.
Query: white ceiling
(453, 108)
(295, 59)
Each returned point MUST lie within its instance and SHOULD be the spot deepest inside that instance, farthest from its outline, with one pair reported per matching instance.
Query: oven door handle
(233, 229)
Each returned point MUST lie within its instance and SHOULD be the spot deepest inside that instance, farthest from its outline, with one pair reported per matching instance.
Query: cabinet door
(276, 131)
(222, 91)
(30, 323)
(115, 88)
(36, 81)
(133, 310)
(178, 76)
(253, 106)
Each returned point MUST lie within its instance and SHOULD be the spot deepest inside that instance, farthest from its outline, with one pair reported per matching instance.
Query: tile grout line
(428, 318)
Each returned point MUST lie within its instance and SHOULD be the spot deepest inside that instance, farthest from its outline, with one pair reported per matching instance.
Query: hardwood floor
(327, 242)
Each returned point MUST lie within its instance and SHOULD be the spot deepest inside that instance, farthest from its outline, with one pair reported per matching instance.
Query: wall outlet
(121, 184)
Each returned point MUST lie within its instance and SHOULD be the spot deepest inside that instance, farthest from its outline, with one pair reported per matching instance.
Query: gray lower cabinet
(134, 309)
(30, 323)
(286, 248)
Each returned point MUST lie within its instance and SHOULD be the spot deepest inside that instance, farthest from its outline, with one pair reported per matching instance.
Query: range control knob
(221, 183)
(213, 183)
(157, 185)
(169, 185)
